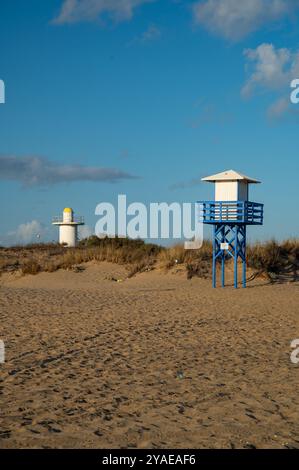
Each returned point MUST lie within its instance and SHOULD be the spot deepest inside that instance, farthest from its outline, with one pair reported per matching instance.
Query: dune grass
(273, 260)
(276, 261)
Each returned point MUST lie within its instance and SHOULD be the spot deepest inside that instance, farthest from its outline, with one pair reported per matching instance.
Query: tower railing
(231, 212)
(75, 220)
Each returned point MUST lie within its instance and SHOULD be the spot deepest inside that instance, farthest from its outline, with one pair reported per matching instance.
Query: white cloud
(25, 233)
(150, 34)
(271, 70)
(74, 11)
(278, 108)
(235, 19)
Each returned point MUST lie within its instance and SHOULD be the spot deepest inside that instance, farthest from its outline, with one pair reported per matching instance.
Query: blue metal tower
(230, 213)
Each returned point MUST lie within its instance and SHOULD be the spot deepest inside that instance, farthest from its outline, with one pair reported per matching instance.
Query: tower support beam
(229, 241)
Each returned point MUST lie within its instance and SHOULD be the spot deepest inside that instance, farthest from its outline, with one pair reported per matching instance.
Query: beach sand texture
(155, 361)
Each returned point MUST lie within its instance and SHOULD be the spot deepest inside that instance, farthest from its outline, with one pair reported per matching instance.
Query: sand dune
(94, 359)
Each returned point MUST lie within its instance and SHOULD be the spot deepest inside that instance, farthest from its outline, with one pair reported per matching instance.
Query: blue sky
(144, 98)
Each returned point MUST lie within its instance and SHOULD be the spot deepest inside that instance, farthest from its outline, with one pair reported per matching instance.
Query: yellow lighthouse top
(67, 209)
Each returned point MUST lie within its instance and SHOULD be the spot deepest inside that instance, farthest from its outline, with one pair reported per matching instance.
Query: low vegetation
(272, 260)
(275, 261)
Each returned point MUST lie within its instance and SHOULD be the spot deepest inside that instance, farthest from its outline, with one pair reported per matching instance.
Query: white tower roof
(229, 175)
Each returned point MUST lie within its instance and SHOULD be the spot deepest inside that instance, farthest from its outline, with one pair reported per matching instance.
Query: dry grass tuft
(32, 259)
(172, 256)
(273, 260)
(31, 267)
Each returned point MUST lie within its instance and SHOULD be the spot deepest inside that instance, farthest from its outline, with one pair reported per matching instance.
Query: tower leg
(244, 257)
(214, 256)
(235, 236)
(236, 246)
(223, 258)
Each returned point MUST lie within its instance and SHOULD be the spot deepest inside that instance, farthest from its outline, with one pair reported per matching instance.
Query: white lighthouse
(68, 227)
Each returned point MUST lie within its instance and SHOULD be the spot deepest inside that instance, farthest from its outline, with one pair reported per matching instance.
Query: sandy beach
(96, 360)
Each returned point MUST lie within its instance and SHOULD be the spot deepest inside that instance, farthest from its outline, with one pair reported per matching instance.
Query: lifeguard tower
(68, 227)
(230, 213)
